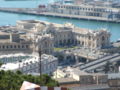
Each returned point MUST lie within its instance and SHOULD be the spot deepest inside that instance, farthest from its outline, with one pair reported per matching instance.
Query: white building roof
(70, 70)
(13, 55)
(35, 58)
(114, 76)
(76, 71)
(9, 66)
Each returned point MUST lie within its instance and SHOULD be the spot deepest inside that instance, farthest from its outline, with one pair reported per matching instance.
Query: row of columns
(67, 42)
(76, 59)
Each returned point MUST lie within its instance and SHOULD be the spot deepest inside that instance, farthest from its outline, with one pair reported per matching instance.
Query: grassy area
(62, 48)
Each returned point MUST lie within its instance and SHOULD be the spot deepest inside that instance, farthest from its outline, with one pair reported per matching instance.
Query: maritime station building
(67, 34)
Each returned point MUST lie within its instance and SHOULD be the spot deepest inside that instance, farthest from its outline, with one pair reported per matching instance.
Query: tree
(1, 64)
(13, 80)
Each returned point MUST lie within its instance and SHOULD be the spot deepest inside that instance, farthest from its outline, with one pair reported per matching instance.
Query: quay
(38, 12)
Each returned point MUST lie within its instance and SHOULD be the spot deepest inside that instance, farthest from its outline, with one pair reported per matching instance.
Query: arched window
(11, 46)
(103, 38)
(64, 41)
(18, 46)
(68, 41)
(7, 47)
(3, 47)
(22, 46)
(83, 43)
(27, 46)
(72, 41)
(14, 46)
(60, 42)
(102, 44)
(46, 44)
(89, 37)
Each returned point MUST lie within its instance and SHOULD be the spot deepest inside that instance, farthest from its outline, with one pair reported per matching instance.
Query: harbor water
(10, 19)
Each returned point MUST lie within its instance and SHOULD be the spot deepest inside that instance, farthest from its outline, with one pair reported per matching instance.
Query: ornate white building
(68, 34)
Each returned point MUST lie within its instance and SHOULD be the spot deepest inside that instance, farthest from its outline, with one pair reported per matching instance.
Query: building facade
(32, 65)
(45, 43)
(12, 41)
(70, 35)
(114, 81)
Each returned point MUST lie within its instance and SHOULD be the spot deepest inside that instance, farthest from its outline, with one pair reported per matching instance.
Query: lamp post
(40, 54)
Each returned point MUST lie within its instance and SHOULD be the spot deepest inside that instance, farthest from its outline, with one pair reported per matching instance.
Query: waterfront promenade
(38, 12)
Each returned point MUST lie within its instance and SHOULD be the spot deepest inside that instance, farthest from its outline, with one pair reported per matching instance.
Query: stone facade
(69, 35)
(45, 44)
(11, 41)
(14, 46)
(92, 39)
(30, 25)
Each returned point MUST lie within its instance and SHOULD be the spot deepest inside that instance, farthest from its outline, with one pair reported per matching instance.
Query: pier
(38, 12)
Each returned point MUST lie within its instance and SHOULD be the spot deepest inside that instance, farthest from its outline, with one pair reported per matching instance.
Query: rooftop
(86, 52)
(91, 87)
(114, 76)
(65, 80)
(34, 59)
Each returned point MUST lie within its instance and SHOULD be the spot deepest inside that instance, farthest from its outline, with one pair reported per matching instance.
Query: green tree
(13, 80)
(1, 64)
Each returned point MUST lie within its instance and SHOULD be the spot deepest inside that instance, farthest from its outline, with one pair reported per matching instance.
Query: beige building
(92, 39)
(30, 25)
(63, 35)
(67, 34)
(32, 39)
(45, 44)
(11, 41)
(81, 76)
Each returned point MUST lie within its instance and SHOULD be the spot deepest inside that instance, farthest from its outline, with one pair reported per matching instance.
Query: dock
(38, 12)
